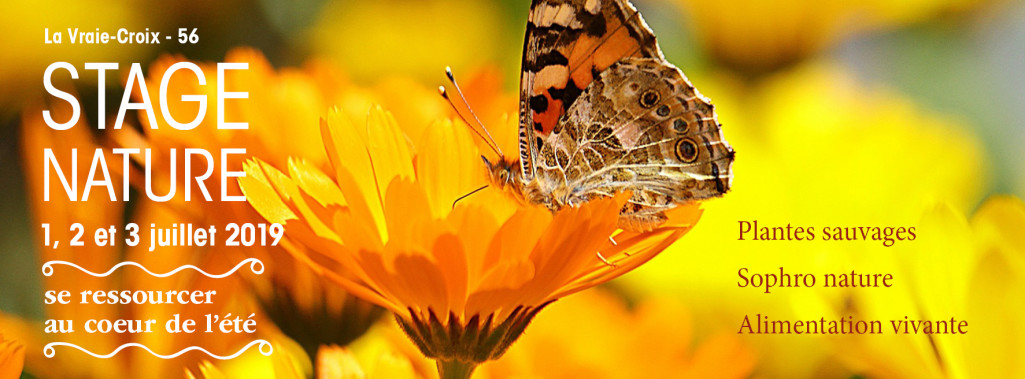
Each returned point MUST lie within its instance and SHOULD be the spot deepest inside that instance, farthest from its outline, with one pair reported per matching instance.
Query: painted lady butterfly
(602, 111)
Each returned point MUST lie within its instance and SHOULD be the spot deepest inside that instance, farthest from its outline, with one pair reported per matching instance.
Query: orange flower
(99, 212)
(12, 358)
(310, 310)
(574, 339)
(281, 109)
(463, 279)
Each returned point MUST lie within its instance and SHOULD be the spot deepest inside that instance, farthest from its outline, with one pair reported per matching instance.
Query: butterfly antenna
(491, 141)
(468, 195)
(444, 94)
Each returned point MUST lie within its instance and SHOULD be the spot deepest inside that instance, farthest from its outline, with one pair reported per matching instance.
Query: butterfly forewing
(567, 44)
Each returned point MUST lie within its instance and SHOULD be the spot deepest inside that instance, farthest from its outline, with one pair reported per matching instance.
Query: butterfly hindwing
(567, 44)
(640, 127)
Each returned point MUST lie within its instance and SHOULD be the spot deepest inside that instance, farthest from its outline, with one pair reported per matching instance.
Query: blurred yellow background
(870, 113)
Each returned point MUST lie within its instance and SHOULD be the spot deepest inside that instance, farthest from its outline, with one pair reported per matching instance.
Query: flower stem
(455, 369)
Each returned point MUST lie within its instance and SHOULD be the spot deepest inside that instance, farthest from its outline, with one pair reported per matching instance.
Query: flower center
(474, 341)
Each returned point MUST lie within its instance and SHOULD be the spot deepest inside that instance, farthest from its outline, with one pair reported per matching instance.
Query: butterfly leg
(605, 261)
(614, 243)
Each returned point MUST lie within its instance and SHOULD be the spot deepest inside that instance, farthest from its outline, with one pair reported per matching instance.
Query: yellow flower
(758, 36)
(287, 362)
(463, 280)
(331, 362)
(971, 271)
(594, 335)
(12, 358)
(415, 39)
(817, 150)
(336, 362)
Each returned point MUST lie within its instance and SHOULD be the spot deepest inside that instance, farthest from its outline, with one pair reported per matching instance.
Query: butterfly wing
(641, 126)
(567, 44)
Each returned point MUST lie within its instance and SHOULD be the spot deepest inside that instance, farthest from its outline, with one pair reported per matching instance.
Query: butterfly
(602, 111)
